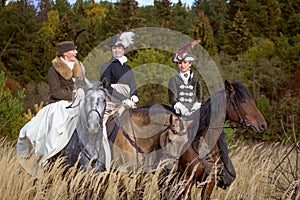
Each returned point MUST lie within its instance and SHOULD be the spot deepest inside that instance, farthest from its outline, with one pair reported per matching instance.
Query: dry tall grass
(255, 165)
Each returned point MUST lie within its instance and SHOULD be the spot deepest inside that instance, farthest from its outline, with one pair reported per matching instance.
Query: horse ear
(88, 83)
(228, 86)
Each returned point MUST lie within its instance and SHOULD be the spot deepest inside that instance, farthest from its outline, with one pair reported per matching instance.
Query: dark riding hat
(124, 39)
(65, 46)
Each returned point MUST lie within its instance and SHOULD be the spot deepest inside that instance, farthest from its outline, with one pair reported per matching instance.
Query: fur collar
(62, 68)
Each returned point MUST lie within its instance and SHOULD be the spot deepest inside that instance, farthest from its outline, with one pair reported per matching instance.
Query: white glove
(130, 103)
(180, 108)
(196, 106)
(134, 98)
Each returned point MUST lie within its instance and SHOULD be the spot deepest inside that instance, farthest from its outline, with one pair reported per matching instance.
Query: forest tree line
(254, 42)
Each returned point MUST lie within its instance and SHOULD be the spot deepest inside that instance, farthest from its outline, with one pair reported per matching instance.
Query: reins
(242, 121)
(71, 105)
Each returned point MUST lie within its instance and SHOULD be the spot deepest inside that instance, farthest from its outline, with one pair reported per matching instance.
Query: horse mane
(240, 91)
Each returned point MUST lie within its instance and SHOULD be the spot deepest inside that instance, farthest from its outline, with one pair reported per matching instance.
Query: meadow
(264, 171)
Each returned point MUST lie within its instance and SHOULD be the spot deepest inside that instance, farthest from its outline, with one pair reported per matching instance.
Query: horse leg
(207, 189)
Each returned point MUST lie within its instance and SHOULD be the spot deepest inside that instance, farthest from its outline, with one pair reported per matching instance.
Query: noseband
(99, 115)
(242, 121)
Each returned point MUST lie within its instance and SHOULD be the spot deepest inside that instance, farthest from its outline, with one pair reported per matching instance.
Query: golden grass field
(256, 179)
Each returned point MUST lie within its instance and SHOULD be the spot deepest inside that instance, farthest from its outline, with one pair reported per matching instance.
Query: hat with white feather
(181, 54)
(125, 39)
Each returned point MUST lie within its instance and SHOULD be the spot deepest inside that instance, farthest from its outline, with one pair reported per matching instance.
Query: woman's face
(117, 51)
(184, 66)
(70, 55)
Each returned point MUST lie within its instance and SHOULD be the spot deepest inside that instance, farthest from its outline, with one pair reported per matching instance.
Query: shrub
(11, 111)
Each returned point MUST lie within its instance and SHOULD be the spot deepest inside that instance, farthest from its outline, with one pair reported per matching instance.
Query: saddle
(113, 123)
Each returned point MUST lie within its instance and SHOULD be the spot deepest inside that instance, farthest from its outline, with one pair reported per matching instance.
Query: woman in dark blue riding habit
(120, 80)
(50, 130)
(185, 94)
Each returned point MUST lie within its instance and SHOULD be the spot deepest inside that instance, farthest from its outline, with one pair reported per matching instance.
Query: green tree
(163, 13)
(201, 28)
(263, 16)
(238, 38)
(123, 16)
(290, 16)
(18, 35)
(181, 18)
(11, 111)
(155, 73)
(216, 11)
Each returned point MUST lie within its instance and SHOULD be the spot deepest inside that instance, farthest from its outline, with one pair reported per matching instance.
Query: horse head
(174, 142)
(241, 108)
(94, 105)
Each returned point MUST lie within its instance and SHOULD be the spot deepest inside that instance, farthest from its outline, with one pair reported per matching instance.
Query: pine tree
(181, 18)
(238, 38)
(123, 16)
(18, 35)
(163, 13)
(201, 29)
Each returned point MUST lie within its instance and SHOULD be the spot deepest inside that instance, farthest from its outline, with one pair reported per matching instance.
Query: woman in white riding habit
(49, 131)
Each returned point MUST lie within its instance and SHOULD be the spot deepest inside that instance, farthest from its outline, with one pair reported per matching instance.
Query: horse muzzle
(259, 128)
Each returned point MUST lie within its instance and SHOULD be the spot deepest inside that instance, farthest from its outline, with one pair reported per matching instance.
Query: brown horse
(144, 137)
(200, 160)
(136, 145)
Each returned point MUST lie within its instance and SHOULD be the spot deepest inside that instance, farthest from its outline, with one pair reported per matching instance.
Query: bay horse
(85, 146)
(198, 162)
(137, 143)
(147, 139)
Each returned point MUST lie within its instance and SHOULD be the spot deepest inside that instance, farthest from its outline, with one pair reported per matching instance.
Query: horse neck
(212, 118)
(141, 121)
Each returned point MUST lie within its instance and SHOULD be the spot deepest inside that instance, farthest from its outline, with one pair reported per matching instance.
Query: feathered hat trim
(125, 39)
(181, 54)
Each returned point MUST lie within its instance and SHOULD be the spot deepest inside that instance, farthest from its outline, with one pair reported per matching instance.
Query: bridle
(242, 121)
(99, 115)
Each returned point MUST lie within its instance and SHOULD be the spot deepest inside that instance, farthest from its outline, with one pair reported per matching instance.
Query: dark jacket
(116, 73)
(186, 94)
(60, 79)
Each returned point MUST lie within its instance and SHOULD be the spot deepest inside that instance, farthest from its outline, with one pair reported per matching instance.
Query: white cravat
(185, 76)
(122, 59)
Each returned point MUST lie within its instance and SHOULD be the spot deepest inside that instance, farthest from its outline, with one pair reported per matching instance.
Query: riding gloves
(181, 109)
(134, 98)
(130, 103)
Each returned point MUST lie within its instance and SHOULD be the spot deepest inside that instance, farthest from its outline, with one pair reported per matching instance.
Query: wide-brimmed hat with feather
(125, 39)
(181, 54)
